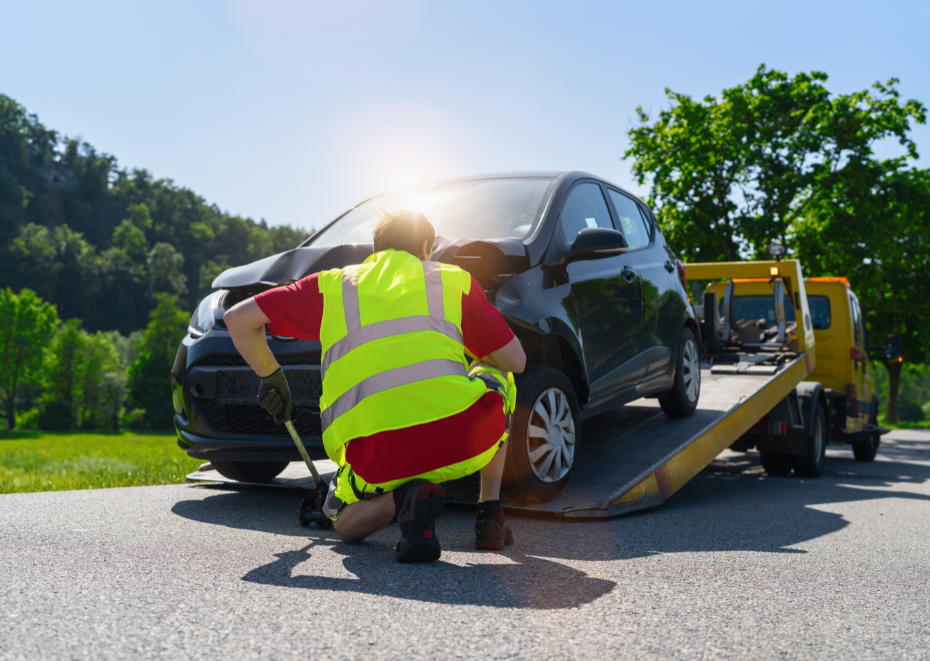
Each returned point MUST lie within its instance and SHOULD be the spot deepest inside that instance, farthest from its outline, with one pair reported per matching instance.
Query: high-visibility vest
(393, 355)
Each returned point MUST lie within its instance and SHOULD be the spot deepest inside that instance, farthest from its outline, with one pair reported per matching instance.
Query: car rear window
(820, 311)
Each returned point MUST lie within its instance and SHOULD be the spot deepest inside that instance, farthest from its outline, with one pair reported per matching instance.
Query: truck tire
(867, 449)
(544, 435)
(682, 400)
(776, 465)
(250, 471)
(812, 464)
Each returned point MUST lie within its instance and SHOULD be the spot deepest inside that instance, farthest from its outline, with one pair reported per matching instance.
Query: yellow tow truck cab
(753, 311)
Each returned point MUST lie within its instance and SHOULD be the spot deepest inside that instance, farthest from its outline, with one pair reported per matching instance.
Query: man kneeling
(402, 411)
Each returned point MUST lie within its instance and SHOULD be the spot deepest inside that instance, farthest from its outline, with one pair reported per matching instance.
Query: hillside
(99, 241)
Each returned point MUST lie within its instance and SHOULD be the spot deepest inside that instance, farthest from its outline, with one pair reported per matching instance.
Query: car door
(662, 312)
(608, 297)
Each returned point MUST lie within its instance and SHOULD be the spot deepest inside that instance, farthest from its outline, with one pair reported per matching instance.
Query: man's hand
(275, 397)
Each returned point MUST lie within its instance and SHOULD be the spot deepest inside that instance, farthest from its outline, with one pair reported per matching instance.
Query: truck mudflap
(634, 457)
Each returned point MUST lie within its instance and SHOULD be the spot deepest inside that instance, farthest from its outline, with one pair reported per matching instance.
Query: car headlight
(203, 320)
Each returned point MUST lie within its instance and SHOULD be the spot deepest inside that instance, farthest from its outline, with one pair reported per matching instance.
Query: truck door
(608, 298)
(862, 384)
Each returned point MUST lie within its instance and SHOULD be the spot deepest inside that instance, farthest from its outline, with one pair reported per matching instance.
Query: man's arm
(509, 357)
(246, 324)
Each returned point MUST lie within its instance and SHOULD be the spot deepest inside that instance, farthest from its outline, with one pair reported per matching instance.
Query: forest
(92, 258)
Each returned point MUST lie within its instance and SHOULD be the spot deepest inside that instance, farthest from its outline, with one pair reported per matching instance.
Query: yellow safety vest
(393, 355)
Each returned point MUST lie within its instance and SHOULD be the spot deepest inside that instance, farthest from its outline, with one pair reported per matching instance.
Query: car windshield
(478, 209)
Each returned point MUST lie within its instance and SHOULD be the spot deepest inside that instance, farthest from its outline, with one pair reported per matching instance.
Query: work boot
(492, 533)
(417, 507)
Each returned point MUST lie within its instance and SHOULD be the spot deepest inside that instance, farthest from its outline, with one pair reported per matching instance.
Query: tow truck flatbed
(634, 457)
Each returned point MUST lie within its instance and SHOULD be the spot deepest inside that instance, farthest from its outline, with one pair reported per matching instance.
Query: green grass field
(41, 461)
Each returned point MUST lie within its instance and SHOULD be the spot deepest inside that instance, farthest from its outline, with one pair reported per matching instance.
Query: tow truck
(762, 340)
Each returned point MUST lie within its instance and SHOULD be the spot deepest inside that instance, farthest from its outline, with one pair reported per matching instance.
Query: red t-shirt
(297, 311)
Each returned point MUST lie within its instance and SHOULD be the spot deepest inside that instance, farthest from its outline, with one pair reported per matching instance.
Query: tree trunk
(894, 375)
(10, 412)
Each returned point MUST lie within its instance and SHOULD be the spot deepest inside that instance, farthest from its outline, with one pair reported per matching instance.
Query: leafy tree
(100, 381)
(780, 158)
(26, 326)
(731, 175)
(166, 270)
(59, 408)
(150, 374)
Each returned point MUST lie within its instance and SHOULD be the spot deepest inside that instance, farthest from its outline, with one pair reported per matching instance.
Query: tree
(59, 405)
(779, 158)
(150, 374)
(100, 381)
(731, 175)
(26, 326)
(877, 233)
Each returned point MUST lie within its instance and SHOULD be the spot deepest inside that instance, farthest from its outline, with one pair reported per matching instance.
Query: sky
(294, 111)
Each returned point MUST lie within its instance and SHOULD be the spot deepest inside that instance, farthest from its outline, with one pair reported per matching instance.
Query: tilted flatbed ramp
(634, 457)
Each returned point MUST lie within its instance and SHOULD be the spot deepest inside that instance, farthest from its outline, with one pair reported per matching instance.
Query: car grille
(252, 420)
(235, 409)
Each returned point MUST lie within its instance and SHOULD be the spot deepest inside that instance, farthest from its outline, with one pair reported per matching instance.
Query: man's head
(405, 230)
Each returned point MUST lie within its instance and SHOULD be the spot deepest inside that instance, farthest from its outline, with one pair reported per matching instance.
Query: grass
(43, 461)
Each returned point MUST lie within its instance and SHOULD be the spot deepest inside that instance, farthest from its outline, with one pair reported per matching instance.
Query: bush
(28, 419)
(55, 416)
(910, 411)
(134, 419)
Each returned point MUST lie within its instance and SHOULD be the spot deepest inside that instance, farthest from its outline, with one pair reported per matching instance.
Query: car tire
(776, 465)
(250, 471)
(867, 449)
(682, 400)
(532, 473)
(812, 464)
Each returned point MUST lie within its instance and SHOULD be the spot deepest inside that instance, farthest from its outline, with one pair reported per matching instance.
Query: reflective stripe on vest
(391, 357)
(359, 335)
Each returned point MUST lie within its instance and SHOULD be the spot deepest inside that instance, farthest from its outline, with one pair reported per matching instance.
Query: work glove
(275, 397)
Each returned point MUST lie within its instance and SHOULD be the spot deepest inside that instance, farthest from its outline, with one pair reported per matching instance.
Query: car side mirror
(592, 241)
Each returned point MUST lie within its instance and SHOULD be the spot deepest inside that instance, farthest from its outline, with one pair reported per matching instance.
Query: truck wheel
(867, 449)
(682, 400)
(250, 471)
(812, 464)
(544, 435)
(776, 465)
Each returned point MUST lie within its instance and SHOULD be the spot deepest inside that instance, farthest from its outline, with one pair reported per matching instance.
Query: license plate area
(241, 387)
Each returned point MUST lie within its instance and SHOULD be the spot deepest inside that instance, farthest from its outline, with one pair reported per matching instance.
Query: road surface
(736, 564)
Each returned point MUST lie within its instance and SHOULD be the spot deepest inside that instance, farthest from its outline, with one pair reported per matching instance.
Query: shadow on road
(731, 506)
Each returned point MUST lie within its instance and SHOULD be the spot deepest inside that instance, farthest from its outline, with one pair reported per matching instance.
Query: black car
(578, 267)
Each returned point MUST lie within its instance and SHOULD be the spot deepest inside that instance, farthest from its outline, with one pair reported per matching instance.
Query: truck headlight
(203, 320)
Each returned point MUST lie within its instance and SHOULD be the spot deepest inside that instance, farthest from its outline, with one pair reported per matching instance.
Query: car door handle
(669, 267)
(628, 274)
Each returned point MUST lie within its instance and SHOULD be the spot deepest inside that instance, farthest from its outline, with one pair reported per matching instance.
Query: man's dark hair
(403, 230)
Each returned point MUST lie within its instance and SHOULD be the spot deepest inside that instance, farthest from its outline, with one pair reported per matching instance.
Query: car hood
(491, 261)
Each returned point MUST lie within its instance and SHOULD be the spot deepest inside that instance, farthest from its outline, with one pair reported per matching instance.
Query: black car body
(578, 267)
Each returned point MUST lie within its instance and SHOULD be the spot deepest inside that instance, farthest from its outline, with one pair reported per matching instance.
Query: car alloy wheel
(551, 436)
(691, 370)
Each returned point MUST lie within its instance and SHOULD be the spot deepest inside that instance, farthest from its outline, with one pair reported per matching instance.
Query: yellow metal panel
(675, 472)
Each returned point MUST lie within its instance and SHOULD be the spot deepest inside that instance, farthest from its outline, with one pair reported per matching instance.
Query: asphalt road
(736, 564)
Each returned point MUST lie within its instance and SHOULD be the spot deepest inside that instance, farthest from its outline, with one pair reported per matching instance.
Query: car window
(631, 220)
(585, 207)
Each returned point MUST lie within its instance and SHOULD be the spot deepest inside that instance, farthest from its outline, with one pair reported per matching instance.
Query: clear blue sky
(294, 111)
